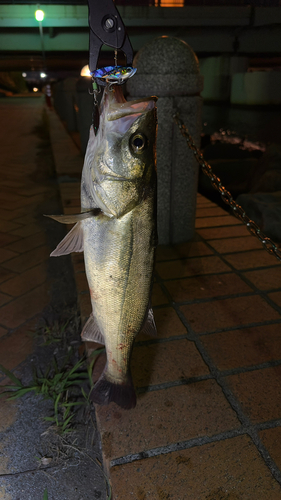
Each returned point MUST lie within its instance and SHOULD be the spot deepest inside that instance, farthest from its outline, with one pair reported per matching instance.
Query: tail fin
(104, 392)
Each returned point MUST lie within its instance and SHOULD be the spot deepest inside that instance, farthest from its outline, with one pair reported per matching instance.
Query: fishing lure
(114, 74)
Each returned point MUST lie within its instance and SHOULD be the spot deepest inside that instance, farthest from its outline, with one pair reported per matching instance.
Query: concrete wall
(257, 87)
(218, 72)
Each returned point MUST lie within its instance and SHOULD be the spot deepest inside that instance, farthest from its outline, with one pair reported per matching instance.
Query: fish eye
(138, 142)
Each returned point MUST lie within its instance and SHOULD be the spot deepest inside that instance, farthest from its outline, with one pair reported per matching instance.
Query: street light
(39, 16)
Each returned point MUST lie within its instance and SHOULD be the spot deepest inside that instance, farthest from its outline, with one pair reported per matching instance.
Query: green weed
(45, 496)
(52, 333)
(60, 386)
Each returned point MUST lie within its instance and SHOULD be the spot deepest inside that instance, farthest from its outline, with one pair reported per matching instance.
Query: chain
(226, 196)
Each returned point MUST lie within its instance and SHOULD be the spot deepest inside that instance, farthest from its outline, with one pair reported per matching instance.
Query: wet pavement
(34, 291)
(207, 424)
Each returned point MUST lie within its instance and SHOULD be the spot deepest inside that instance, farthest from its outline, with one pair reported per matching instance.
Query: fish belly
(119, 256)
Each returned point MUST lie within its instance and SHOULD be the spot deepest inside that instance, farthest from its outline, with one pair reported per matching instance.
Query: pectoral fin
(91, 331)
(72, 242)
(73, 218)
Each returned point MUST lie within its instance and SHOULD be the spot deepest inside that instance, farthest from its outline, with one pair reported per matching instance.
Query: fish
(117, 231)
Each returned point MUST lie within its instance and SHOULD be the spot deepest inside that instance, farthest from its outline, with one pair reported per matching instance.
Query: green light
(39, 15)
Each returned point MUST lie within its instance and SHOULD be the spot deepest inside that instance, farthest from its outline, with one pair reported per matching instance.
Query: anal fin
(72, 242)
(91, 331)
(149, 327)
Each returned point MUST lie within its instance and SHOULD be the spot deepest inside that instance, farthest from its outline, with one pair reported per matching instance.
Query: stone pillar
(65, 102)
(69, 102)
(168, 68)
(85, 110)
(57, 97)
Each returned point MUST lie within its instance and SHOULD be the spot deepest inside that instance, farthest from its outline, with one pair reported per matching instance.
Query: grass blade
(45, 496)
(11, 376)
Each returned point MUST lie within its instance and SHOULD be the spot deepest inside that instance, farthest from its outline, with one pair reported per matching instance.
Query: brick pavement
(208, 418)
(207, 424)
(24, 251)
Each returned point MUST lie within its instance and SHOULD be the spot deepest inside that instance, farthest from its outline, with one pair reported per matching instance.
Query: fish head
(122, 156)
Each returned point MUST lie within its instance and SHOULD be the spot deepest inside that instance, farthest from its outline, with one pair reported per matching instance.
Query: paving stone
(275, 297)
(235, 244)
(6, 239)
(8, 413)
(246, 347)
(25, 244)
(5, 274)
(23, 308)
(81, 282)
(263, 404)
(69, 202)
(6, 254)
(85, 306)
(168, 324)
(3, 331)
(271, 439)
(158, 296)
(210, 233)
(78, 262)
(27, 230)
(265, 279)
(35, 189)
(190, 267)
(26, 219)
(226, 470)
(70, 210)
(7, 214)
(4, 298)
(28, 259)
(166, 362)
(20, 203)
(228, 313)
(249, 260)
(182, 250)
(225, 220)
(210, 211)
(201, 287)
(164, 417)
(26, 281)
(8, 226)
(18, 345)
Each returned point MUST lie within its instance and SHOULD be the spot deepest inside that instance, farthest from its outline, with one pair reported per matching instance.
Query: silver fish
(117, 231)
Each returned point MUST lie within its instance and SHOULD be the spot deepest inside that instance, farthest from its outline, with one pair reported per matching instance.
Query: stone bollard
(65, 102)
(85, 110)
(57, 97)
(168, 68)
(69, 103)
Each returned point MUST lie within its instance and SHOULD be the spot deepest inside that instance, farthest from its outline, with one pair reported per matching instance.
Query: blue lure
(114, 74)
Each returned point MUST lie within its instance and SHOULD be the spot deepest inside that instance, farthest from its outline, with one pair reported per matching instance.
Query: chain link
(226, 196)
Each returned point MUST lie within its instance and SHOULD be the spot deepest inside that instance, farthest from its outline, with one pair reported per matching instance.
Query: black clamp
(106, 28)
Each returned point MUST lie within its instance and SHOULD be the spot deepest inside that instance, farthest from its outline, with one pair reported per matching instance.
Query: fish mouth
(136, 107)
(118, 107)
